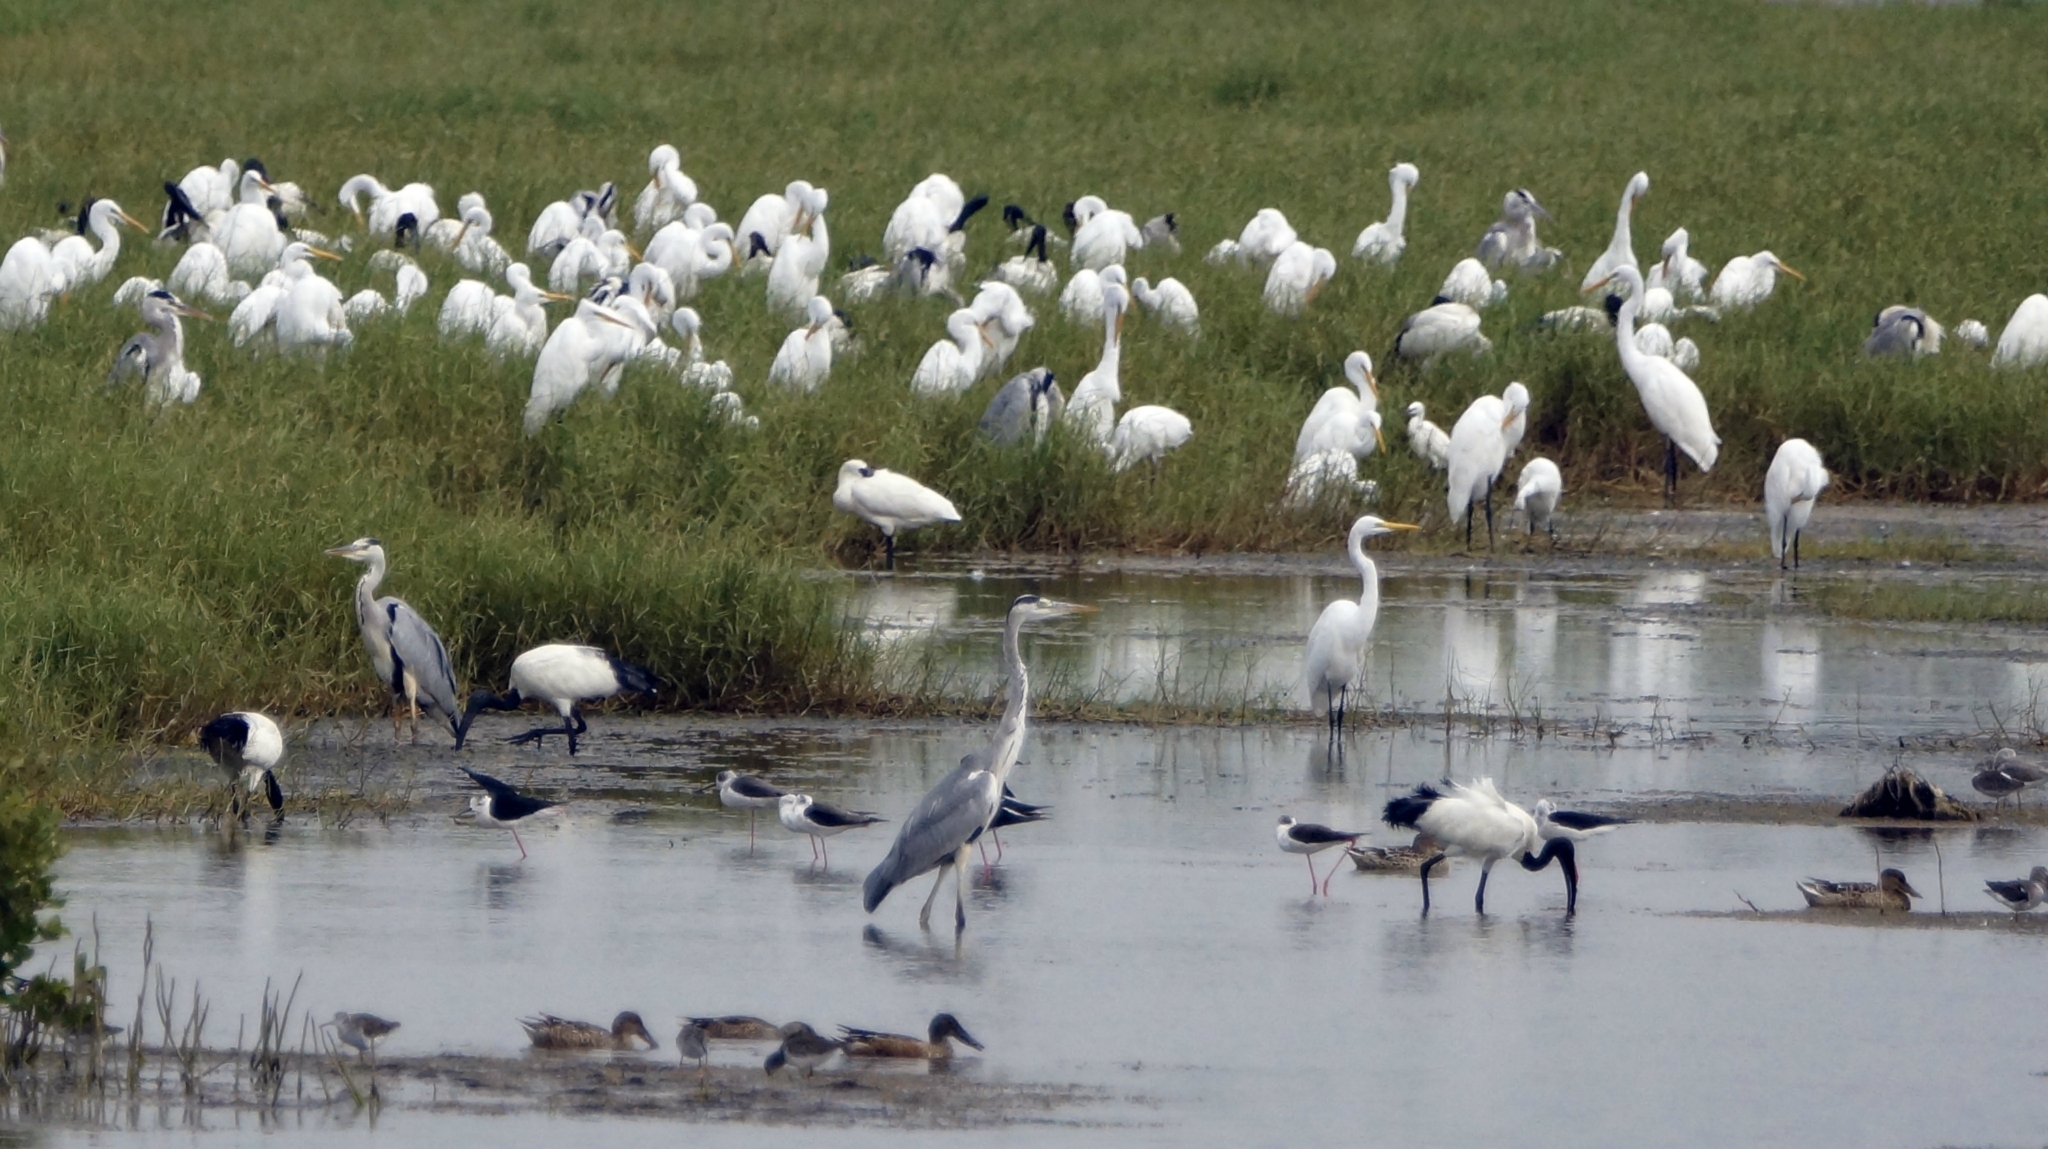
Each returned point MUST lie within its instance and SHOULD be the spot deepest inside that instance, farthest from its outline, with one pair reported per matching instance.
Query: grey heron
(158, 355)
(409, 658)
(1028, 404)
(955, 812)
(561, 675)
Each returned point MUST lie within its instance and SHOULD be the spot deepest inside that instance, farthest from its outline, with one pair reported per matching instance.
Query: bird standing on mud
(561, 675)
(409, 658)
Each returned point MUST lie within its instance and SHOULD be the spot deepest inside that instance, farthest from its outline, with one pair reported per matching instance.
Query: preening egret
(805, 359)
(1476, 822)
(1621, 250)
(409, 286)
(1678, 272)
(158, 355)
(1336, 643)
(202, 273)
(1105, 235)
(2021, 895)
(1297, 277)
(1470, 284)
(1537, 494)
(803, 814)
(695, 256)
(407, 655)
(1033, 271)
(1309, 839)
(83, 266)
(690, 367)
(474, 247)
(1670, 398)
(560, 675)
(29, 280)
(933, 1046)
(387, 207)
(1655, 339)
(248, 746)
(1146, 434)
(248, 235)
(889, 501)
(1439, 330)
(1511, 241)
(1516, 396)
(1092, 409)
(522, 327)
(501, 805)
(443, 234)
(923, 218)
(562, 220)
(1344, 418)
(770, 218)
(593, 255)
(1081, 302)
(1791, 486)
(1171, 303)
(1334, 470)
(1889, 892)
(1027, 405)
(1264, 237)
(311, 315)
(793, 279)
(1479, 449)
(1004, 318)
(1748, 280)
(1383, 242)
(2023, 343)
(951, 365)
(1427, 440)
(960, 807)
(668, 192)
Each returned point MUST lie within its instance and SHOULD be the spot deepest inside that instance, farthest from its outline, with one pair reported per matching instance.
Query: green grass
(1892, 601)
(154, 570)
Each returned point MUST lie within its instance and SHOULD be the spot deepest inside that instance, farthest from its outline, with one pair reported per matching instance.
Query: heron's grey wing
(418, 649)
(131, 361)
(1009, 412)
(950, 815)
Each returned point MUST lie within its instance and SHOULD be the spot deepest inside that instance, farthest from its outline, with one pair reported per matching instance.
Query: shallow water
(1151, 940)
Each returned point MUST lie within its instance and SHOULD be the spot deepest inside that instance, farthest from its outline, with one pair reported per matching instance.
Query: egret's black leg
(890, 542)
(1795, 549)
(1670, 472)
(1489, 517)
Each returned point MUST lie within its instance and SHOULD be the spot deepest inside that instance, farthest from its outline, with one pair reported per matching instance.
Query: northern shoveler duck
(737, 1027)
(550, 1032)
(361, 1031)
(1889, 892)
(802, 1047)
(2022, 895)
(936, 1046)
(1404, 860)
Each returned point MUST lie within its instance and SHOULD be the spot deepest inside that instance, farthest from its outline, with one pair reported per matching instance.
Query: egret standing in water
(407, 655)
(955, 812)
(1671, 399)
(1336, 643)
(1791, 486)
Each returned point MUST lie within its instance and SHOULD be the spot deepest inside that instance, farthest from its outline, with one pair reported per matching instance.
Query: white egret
(692, 369)
(1427, 440)
(1655, 339)
(1033, 271)
(1748, 280)
(1309, 839)
(1678, 272)
(29, 279)
(2023, 343)
(311, 314)
(1026, 405)
(474, 246)
(562, 675)
(1900, 331)
(923, 218)
(805, 358)
(769, 219)
(1479, 450)
(1383, 242)
(793, 279)
(202, 273)
(1104, 235)
(591, 346)
(1336, 643)
(953, 813)
(711, 256)
(951, 365)
(1469, 283)
(158, 355)
(1516, 397)
(596, 254)
(248, 746)
(407, 655)
(1791, 487)
(1476, 822)
(1621, 250)
(1537, 493)
(1171, 303)
(1511, 241)
(1344, 418)
(1297, 277)
(409, 286)
(562, 221)
(81, 264)
(443, 234)
(1439, 330)
(668, 192)
(1081, 302)
(249, 235)
(1092, 410)
(1670, 398)
(388, 207)
(1146, 434)
(1264, 237)
(1004, 318)
(1324, 471)
(519, 323)
(3, 159)
(889, 501)
(133, 289)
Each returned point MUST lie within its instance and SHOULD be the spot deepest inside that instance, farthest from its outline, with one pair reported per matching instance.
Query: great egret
(1105, 235)
(562, 220)
(29, 280)
(951, 365)
(1890, 892)
(1516, 396)
(1621, 250)
(1264, 237)
(805, 358)
(1670, 398)
(1383, 242)
(1004, 318)
(388, 207)
(2023, 343)
(1439, 330)
(1511, 241)
(158, 355)
(1146, 434)
(474, 246)
(409, 286)
(1336, 643)
(591, 346)
(1340, 418)
(1297, 277)
(1469, 283)
(1309, 839)
(2021, 895)
(443, 234)
(771, 217)
(249, 236)
(923, 219)
(1092, 409)
(1476, 822)
(1171, 303)
(560, 675)
(1677, 271)
(1791, 486)
(956, 811)
(1033, 271)
(1748, 280)
(248, 746)
(1479, 449)
(1081, 302)
(934, 1046)
(311, 314)
(1537, 493)
(668, 192)
(407, 655)
(522, 328)
(889, 501)
(82, 266)
(202, 273)
(1026, 405)
(793, 279)
(1311, 478)
(596, 254)
(708, 255)
(1427, 440)
(803, 814)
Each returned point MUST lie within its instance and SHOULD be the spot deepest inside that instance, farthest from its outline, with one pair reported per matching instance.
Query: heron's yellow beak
(1400, 526)
(1509, 421)
(632, 252)
(608, 317)
(322, 253)
(1379, 438)
(1601, 284)
(131, 221)
(1119, 325)
(1372, 384)
(459, 233)
(557, 296)
(184, 308)
(1787, 269)
(1314, 289)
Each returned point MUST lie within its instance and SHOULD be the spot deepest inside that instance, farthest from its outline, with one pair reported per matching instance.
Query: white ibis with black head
(1476, 822)
(501, 805)
(248, 746)
(745, 792)
(803, 814)
(1309, 839)
(561, 675)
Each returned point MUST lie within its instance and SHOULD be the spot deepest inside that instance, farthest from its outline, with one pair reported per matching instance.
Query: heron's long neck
(174, 336)
(1625, 331)
(110, 244)
(1010, 732)
(366, 588)
(1369, 576)
(1112, 354)
(1397, 215)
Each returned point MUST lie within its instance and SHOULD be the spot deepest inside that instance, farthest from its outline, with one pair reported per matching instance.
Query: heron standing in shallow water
(408, 656)
(954, 813)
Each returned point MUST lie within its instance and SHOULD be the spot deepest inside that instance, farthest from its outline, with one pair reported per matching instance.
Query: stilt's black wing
(1575, 820)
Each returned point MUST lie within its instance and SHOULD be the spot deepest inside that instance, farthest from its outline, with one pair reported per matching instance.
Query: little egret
(1427, 440)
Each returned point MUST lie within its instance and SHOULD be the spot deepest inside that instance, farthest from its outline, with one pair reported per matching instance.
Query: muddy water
(1151, 943)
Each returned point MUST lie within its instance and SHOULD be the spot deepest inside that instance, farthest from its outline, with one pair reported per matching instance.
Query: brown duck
(1889, 892)
(737, 1027)
(550, 1032)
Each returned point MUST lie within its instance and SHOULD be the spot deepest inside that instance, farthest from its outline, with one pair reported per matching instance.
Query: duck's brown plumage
(1890, 892)
(738, 1027)
(550, 1032)
(934, 1047)
(1396, 859)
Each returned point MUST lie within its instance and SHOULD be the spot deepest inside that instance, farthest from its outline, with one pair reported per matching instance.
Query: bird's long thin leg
(1670, 472)
(999, 844)
(1489, 517)
(1343, 696)
(1425, 880)
(1468, 526)
(750, 829)
(960, 891)
(520, 844)
(924, 917)
(572, 726)
(1795, 550)
(1311, 860)
(890, 541)
(824, 852)
(1479, 899)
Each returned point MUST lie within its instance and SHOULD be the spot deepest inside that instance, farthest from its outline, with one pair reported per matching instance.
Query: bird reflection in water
(927, 956)
(501, 884)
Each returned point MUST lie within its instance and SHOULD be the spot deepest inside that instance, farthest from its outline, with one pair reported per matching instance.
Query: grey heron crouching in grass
(409, 658)
(561, 675)
(956, 811)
